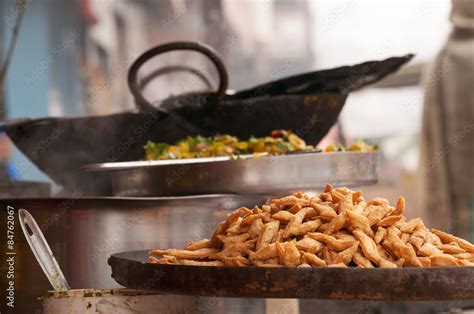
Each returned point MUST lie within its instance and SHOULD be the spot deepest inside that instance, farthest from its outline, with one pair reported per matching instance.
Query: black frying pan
(131, 270)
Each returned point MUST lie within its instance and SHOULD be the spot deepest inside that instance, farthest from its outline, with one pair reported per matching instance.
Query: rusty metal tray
(280, 174)
(131, 270)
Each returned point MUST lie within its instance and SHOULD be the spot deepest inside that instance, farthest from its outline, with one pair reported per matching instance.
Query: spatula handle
(42, 251)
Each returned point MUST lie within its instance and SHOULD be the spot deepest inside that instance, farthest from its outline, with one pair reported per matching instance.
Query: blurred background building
(72, 58)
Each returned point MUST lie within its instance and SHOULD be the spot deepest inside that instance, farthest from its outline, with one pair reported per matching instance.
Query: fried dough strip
(337, 197)
(463, 262)
(375, 214)
(325, 197)
(379, 235)
(359, 221)
(344, 190)
(432, 238)
(292, 256)
(344, 235)
(340, 265)
(323, 227)
(265, 252)
(358, 209)
(389, 221)
(290, 200)
(280, 247)
(331, 242)
(236, 228)
(368, 246)
(229, 240)
(384, 254)
(444, 260)
(233, 250)
(448, 238)
(235, 261)
(326, 212)
(251, 218)
(412, 225)
(279, 236)
(255, 228)
(387, 264)
(306, 227)
(416, 241)
(346, 256)
(267, 234)
(200, 263)
(215, 242)
(309, 245)
(401, 249)
(451, 248)
(328, 188)
(283, 216)
(425, 261)
(197, 254)
(428, 250)
(404, 237)
(201, 244)
(400, 209)
(378, 201)
(467, 256)
(399, 262)
(312, 259)
(295, 223)
(165, 260)
(232, 218)
(310, 213)
(336, 224)
(361, 261)
(294, 209)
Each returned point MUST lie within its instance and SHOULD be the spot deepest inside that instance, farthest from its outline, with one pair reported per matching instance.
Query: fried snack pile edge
(337, 228)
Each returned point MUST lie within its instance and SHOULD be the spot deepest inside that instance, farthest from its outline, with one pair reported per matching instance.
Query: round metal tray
(131, 270)
(245, 175)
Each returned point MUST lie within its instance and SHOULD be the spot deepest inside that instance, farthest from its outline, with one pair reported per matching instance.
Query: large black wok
(308, 104)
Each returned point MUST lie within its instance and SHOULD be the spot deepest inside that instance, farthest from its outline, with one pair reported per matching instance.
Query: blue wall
(47, 57)
(28, 76)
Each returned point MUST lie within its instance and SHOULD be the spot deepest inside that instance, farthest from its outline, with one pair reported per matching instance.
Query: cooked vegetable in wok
(337, 228)
(358, 146)
(280, 142)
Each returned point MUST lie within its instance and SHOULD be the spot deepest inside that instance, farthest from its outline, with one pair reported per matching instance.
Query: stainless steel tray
(245, 175)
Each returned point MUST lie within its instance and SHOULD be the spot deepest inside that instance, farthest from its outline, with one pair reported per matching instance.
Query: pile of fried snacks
(337, 228)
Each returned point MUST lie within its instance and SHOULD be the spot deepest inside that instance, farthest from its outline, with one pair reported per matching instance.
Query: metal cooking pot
(84, 232)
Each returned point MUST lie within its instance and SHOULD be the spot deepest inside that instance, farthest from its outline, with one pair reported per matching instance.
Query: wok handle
(42, 251)
(134, 84)
(177, 68)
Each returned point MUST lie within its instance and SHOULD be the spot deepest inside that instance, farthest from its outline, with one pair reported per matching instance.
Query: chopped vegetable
(358, 146)
(280, 142)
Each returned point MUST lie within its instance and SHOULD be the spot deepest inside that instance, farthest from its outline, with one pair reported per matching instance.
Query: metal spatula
(42, 251)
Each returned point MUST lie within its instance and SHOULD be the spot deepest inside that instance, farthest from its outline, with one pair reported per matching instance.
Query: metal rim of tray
(243, 175)
(131, 270)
